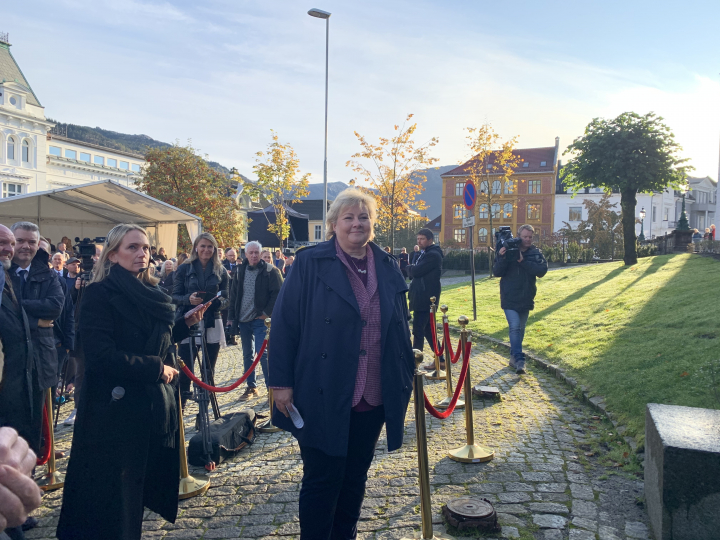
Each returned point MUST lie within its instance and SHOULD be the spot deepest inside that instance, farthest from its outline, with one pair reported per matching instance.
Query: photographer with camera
(518, 264)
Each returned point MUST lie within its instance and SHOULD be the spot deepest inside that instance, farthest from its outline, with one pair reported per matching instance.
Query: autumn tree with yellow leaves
(280, 182)
(179, 176)
(491, 156)
(392, 170)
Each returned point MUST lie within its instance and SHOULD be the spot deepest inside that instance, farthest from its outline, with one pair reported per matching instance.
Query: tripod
(201, 396)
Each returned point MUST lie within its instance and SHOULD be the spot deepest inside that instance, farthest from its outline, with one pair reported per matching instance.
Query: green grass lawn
(648, 333)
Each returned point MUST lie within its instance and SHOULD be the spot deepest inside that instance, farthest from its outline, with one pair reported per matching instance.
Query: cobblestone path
(545, 482)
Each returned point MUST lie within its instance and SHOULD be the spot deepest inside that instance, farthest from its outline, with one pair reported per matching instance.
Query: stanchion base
(471, 454)
(51, 481)
(445, 403)
(436, 536)
(192, 486)
(268, 427)
(435, 375)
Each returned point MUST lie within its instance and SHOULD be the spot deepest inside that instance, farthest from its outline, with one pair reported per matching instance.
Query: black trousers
(333, 488)
(421, 330)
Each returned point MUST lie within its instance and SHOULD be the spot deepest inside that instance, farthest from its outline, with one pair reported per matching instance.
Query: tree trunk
(628, 203)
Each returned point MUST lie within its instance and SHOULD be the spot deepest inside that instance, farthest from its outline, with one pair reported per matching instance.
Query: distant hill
(124, 142)
(317, 190)
(433, 190)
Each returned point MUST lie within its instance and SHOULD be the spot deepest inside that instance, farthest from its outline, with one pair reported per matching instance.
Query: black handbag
(228, 435)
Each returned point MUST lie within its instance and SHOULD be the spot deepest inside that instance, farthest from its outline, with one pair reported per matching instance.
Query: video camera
(504, 239)
(86, 249)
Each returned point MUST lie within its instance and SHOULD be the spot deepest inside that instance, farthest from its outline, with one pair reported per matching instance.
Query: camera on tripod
(504, 239)
(86, 248)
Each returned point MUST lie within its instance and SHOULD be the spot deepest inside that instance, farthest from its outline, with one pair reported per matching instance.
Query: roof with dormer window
(10, 72)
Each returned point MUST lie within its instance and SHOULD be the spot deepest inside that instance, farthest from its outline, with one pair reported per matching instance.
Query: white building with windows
(31, 158)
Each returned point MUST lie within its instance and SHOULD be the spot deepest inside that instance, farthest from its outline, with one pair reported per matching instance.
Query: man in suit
(230, 262)
(415, 255)
(57, 262)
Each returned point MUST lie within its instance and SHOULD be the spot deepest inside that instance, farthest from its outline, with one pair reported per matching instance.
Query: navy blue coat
(315, 347)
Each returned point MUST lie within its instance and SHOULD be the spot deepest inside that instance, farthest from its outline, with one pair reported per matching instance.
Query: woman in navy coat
(340, 353)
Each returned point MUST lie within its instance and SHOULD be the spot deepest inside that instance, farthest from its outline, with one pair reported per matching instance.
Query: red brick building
(527, 198)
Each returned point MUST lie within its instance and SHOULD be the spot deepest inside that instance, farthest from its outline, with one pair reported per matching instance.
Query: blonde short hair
(112, 244)
(350, 197)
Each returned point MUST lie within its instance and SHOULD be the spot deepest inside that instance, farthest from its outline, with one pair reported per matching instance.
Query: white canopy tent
(91, 210)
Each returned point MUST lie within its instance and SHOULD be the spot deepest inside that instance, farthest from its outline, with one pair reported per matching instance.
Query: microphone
(117, 393)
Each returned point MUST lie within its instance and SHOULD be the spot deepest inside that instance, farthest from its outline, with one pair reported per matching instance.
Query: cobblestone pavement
(544, 482)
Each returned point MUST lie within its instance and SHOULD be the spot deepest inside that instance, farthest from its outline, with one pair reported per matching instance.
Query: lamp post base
(471, 453)
(268, 427)
(193, 485)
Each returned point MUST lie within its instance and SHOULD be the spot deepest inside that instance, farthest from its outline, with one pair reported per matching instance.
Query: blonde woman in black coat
(125, 452)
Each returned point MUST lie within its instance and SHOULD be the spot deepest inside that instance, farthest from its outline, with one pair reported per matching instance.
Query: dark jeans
(517, 321)
(421, 330)
(333, 488)
(252, 334)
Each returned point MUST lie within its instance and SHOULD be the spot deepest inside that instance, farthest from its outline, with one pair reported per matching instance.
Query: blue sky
(223, 73)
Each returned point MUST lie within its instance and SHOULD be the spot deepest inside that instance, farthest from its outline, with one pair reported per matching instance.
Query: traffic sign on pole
(469, 195)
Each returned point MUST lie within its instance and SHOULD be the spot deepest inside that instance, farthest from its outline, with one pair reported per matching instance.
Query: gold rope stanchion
(423, 465)
(189, 485)
(445, 402)
(268, 427)
(52, 479)
(438, 373)
(471, 452)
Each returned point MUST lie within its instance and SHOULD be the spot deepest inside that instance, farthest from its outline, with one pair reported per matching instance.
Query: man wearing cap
(71, 274)
(425, 274)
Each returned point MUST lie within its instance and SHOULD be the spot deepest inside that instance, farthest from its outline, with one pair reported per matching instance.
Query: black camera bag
(228, 435)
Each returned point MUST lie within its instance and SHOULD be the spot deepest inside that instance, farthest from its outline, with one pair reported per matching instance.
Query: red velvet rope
(453, 357)
(436, 350)
(234, 385)
(461, 381)
(42, 460)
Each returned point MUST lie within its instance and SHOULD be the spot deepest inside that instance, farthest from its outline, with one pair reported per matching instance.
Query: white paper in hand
(295, 417)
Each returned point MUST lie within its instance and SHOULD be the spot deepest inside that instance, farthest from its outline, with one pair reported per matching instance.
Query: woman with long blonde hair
(125, 446)
(201, 276)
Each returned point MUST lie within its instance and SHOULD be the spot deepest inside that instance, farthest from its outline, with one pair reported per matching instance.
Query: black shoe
(520, 370)
(30, 523)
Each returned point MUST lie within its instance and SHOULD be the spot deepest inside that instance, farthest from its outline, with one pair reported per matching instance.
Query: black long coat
(315, 347)
(425, 274)
(117, 466)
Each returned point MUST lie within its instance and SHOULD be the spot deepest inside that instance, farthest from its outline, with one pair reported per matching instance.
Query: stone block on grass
(682, 471)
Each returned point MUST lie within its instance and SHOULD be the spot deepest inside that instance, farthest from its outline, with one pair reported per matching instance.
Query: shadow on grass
(655, 265)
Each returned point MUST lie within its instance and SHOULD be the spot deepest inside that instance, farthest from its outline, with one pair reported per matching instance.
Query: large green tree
(179, 176)
(630, 154)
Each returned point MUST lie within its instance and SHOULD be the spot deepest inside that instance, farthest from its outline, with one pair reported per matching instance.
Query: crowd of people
(106, 334)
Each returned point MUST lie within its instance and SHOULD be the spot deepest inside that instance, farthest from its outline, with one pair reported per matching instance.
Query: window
(458, 211)
(13, 101)
(135, 167)
(70, 154)
(496, 211)
(488, 166)
(543, 163)
(11, 148)
(124, 165)
(702, 197)
(483, 187)
(318, 232)
(507, 210)
(526, 164)
(99, 160)
(55, 151)
(459, 186)
(575, 213)
(26, 152)
(84, 157)
(112, 162)
(460, 235)
(666, 213)
(509, 187)
(654, 214)
(482, 234)
(483, 211)
(11, 190)
(497, 187)
(533, 211)
(534, 186)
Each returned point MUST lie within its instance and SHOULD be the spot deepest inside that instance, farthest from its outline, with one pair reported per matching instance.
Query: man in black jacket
(229, 262)
(425, 275)
(38, 290)
(255, 287)
(518, 289)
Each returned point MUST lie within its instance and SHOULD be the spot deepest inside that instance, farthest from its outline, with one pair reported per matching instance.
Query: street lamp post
(641, 238)
(320, 14)
(682, 224)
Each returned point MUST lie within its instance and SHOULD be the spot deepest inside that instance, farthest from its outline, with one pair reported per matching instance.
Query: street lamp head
(319, 13)
(642, 213)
